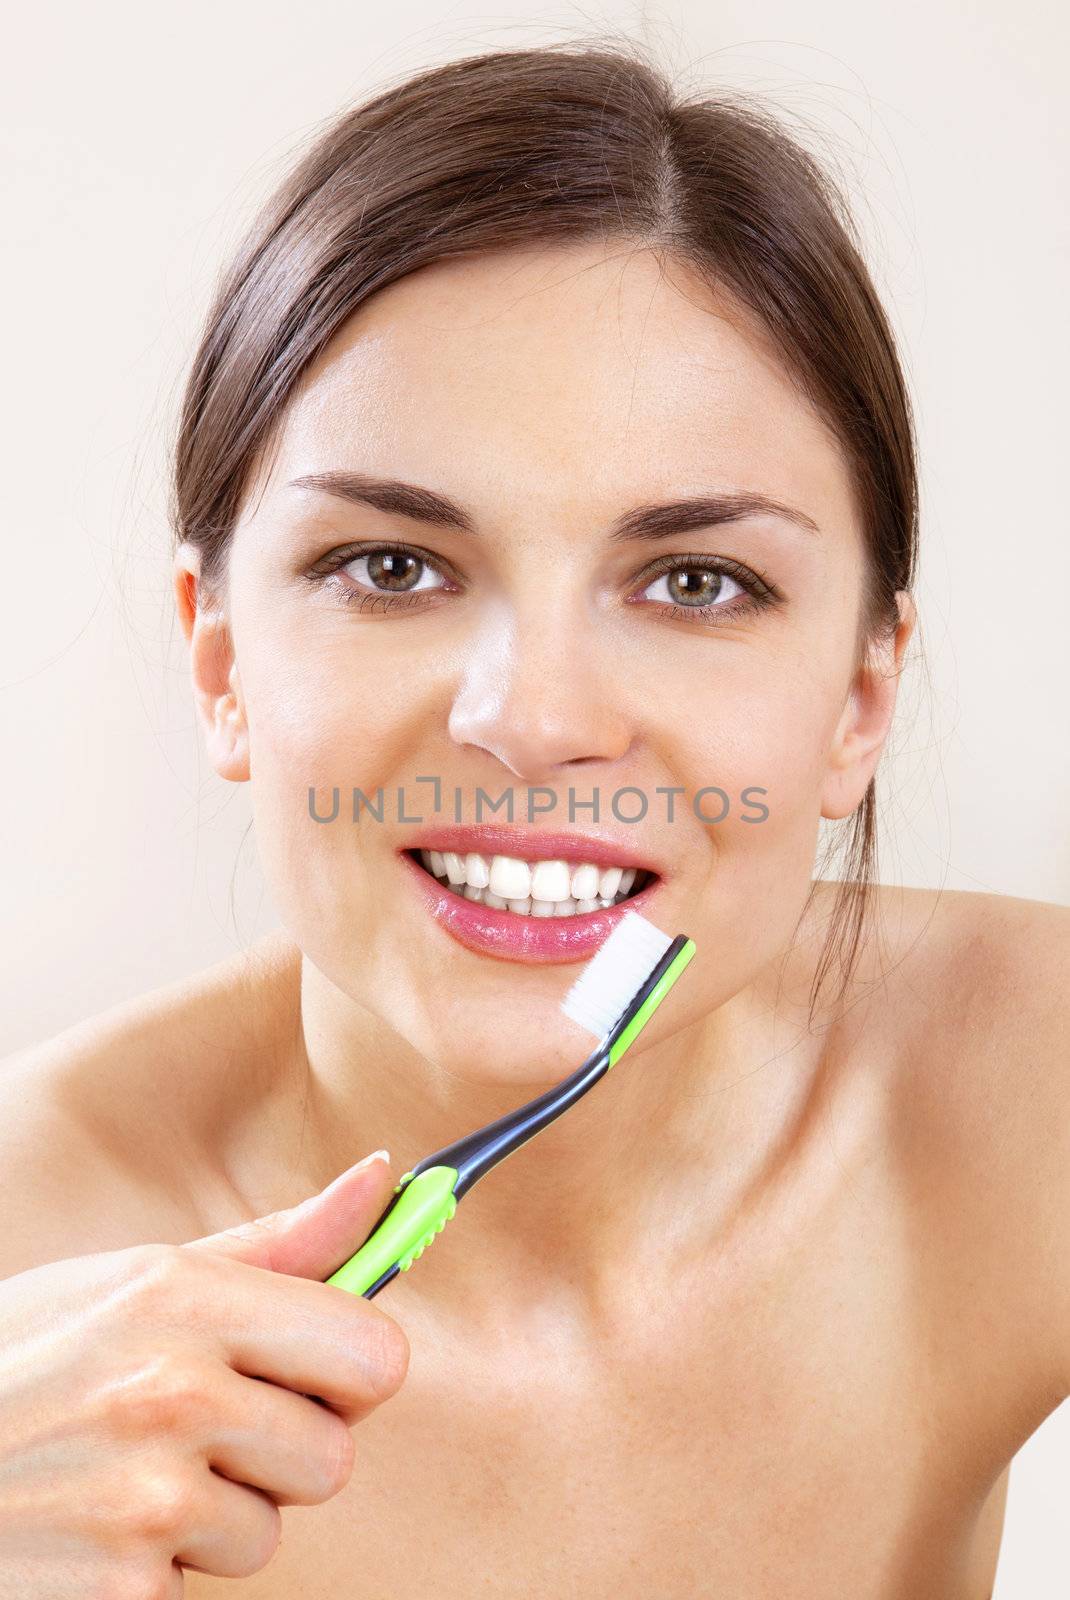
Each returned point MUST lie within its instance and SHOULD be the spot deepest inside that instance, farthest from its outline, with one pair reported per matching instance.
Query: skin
(724, 1326)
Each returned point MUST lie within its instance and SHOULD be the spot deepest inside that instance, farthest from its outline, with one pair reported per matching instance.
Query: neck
(649, 1168)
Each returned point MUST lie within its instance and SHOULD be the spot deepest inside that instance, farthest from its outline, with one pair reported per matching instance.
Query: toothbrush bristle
(605, 987)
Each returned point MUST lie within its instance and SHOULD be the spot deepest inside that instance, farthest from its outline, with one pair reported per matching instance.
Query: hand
(158, 1404)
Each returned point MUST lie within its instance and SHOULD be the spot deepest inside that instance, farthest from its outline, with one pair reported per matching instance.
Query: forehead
(577, 372)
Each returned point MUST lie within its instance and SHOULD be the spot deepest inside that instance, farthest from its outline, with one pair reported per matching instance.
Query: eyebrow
(644, 522)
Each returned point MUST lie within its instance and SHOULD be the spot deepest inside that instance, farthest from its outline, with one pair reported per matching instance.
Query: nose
(537, 694)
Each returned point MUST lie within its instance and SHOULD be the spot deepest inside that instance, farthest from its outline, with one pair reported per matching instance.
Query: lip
(511, 937)
(534, 844)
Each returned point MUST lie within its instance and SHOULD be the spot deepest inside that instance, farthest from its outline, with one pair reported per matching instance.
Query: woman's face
(547, 645)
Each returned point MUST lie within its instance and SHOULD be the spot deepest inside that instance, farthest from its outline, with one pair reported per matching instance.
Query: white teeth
(556, 888)
(455, 868)
(550, 880)
(609, 882)
(584, 881)
(477, 870)
(510, 878)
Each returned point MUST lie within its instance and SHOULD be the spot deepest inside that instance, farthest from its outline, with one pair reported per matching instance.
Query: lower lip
(510, 935)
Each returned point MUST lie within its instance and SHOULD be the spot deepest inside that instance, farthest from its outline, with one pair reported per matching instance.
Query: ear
(214, 671)
(867, 716)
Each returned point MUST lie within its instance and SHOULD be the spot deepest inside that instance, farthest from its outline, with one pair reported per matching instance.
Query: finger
(235, 1531)
(310, 1239)
(317, 1340)
(299, 1452)
(311, 1337)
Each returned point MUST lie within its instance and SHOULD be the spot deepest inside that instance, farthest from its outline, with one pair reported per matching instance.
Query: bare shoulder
(980, 982)
(103, 1124)
(976, 987)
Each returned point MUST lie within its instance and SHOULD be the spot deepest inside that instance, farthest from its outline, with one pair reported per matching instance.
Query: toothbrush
(614, 997)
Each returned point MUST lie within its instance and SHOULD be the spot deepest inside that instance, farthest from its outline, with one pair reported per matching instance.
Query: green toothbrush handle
(420, 1209)
(426, 1199)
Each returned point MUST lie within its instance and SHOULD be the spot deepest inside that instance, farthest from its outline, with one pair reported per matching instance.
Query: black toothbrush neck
(477, 1153)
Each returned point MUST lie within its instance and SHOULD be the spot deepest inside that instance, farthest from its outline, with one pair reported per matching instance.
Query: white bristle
(609, 980)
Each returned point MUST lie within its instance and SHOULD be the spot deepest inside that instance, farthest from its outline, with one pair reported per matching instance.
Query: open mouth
(555, 888)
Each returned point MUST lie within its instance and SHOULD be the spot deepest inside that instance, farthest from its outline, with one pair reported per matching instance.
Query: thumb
(312, 1239)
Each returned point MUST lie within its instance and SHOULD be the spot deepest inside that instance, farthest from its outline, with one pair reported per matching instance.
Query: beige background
(136, 140)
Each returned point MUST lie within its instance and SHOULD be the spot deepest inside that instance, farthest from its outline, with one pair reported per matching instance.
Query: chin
(491, 1058)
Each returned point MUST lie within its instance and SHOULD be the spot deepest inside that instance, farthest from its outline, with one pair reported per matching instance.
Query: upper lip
(534, 844)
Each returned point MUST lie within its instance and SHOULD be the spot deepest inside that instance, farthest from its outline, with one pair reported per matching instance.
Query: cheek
(336, 708)
(765, 725)
(769, 736)
(329, 712)
(761, 723)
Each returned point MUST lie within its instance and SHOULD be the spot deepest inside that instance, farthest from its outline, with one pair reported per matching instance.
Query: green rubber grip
(427, 1203)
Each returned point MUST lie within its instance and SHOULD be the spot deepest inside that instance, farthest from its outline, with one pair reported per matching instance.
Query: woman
(547, 440)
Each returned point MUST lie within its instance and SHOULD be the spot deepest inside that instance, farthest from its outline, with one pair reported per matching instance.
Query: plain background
(136, 142)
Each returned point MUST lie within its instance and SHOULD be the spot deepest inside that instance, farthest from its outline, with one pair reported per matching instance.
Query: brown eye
(391, 572)
(695, 586)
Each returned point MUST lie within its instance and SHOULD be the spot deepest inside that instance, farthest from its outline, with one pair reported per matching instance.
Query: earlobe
(867, 717)
(214, 671)
(228, 731)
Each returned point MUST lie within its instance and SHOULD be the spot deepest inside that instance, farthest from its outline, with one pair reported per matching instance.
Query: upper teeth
(542, 888)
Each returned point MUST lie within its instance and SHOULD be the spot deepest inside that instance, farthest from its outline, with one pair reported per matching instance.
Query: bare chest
(786, 1432)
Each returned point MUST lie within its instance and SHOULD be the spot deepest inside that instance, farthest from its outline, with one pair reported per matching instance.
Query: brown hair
(557, 144)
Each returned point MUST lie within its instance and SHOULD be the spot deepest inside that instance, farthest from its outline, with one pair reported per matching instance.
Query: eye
(708, 588)
(696, 586)
(380, 575)
(391, 571)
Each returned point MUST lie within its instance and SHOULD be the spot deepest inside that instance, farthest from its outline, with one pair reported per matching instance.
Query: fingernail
(358, 1166)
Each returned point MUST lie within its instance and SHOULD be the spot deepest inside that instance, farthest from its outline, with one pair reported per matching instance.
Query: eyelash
(759, 593)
